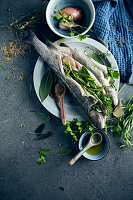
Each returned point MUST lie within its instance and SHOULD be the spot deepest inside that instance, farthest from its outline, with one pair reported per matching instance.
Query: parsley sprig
(75, 128)
(44, 152)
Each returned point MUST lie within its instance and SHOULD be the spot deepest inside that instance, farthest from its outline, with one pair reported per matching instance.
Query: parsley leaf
(81, 37)
(45, 152)
(64, 15)
(116, 74)
(58, 16)
(75, 128)
(41, 160)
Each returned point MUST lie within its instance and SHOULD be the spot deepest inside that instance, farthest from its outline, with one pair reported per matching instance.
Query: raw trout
(54, 58)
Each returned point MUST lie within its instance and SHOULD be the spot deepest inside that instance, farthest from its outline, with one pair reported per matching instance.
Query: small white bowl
(85, 5)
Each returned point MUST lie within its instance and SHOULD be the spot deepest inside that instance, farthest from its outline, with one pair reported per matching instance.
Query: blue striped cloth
(114, 23)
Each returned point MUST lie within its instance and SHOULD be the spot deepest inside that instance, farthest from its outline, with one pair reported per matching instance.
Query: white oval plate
(73, 110)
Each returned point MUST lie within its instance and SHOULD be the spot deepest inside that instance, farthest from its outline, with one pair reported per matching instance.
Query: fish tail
(29, 36)
(46, 41)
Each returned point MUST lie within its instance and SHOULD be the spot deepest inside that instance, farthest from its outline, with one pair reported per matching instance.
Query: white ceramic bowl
(87, 21)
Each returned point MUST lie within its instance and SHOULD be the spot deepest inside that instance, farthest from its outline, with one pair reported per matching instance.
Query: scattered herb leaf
(43, 136)
(45, 152)
(43, 116)
(34, 133)
(65, 151)
(41, 160)
(22, 125)
(2, 67)
(40, 128)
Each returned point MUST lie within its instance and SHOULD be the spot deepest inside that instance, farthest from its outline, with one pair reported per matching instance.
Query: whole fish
(53, 57)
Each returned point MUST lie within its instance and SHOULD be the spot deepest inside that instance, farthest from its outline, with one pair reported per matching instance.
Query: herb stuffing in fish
(82, 82)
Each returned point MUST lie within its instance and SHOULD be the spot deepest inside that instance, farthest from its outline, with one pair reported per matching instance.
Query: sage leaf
(43, 116)
(45, 86)
(40, 128)
(65, 151)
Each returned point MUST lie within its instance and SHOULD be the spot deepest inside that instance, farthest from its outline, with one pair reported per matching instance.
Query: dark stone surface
(21, 178)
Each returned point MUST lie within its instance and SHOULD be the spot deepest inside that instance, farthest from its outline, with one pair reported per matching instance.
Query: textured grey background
(21, 178)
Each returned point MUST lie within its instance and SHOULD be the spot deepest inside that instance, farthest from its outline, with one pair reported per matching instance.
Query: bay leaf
(40, 128)
(45, 86)
(43, 136)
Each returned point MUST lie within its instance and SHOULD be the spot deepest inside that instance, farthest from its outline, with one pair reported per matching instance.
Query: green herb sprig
(122, 126)
(44, 152)
(75, 128)
(63, 18)
(88, 84)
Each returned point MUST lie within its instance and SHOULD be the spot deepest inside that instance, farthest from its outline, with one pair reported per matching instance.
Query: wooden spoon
(60, 90)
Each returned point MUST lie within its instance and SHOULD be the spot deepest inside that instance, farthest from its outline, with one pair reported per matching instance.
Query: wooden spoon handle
(63, 112)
